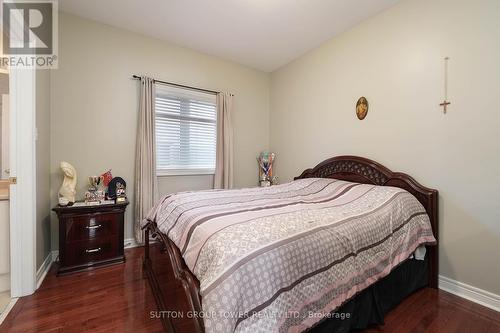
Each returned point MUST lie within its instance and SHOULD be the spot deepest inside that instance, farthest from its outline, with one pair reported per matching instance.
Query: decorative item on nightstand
(67, 192)
(95, 193)
(266, 178)
(106, 178)
(90, 236)
(117, 189)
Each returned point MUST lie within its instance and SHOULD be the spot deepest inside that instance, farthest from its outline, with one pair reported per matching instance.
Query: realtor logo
(29, 33)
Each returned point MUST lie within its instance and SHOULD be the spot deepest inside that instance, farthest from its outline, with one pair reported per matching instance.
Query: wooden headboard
(363, 170)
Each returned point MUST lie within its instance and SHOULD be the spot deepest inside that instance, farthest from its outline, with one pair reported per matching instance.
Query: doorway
(17, 184)
(21, 218)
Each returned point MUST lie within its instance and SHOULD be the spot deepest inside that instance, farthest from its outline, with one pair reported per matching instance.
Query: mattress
(283, 258)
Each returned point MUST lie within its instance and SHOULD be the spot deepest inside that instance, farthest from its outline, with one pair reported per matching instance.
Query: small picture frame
(362, 108)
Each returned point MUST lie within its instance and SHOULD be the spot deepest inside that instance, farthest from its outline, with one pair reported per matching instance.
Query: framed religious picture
(361, 108)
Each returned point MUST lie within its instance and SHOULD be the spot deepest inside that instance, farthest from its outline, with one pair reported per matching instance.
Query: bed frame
(175, 288)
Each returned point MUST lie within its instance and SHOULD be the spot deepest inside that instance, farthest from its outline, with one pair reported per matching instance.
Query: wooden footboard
(175, 288)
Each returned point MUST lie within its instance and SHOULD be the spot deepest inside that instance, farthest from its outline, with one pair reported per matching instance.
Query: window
(185, 131)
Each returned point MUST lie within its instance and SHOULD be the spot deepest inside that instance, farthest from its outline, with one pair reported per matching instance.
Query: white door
(22, 166)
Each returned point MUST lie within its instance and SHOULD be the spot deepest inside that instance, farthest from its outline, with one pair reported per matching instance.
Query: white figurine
(67, 192)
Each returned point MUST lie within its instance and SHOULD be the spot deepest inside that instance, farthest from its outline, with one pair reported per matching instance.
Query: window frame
(179, 172)
(187, 171)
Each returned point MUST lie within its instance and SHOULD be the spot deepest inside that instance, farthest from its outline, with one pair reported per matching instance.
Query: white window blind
(185, 131)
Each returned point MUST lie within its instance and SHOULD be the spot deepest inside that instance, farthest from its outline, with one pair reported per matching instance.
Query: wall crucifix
(445, 102)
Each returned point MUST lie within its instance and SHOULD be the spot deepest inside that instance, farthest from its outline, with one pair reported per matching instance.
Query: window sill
(171, 173)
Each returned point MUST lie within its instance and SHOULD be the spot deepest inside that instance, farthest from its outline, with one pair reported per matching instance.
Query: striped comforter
(283, 258)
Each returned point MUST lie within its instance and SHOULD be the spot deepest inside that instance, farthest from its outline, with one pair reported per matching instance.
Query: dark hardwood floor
(109, 299)
(118, 299)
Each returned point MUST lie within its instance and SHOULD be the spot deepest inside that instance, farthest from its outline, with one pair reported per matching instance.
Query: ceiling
(263, 34)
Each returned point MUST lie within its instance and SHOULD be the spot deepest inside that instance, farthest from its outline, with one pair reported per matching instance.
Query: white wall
(94, 104)
(395, 59)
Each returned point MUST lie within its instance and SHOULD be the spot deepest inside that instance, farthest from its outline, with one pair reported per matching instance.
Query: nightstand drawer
(91, 227)
(90, 251)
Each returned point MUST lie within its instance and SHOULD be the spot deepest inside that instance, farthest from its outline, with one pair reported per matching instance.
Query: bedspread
(282, 258)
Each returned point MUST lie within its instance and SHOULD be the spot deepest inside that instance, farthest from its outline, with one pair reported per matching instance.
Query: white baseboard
(471, 293)
(55, 255)
(130, 243)
(4, 282)
(7, 309)
(44, 269)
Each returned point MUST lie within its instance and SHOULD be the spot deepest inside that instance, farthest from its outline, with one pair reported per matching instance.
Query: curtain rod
(137, 77)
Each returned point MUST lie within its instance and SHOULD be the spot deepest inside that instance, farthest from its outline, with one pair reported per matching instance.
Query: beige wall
(43, 243)
(396, 60)
(169, 184)
(94, 103)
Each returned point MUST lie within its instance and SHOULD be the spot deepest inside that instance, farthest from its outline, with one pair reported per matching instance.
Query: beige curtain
(146, 191)
(223, 178)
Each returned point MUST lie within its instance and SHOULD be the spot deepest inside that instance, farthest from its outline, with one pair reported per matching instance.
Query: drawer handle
(92, 227)
(93, 250)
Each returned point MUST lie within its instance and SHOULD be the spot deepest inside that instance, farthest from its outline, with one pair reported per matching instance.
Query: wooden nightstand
(90, 236)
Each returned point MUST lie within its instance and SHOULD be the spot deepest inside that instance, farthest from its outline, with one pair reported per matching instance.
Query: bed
(292, 257)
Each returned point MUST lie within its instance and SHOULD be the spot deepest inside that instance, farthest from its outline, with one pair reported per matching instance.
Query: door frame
(22, 91)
